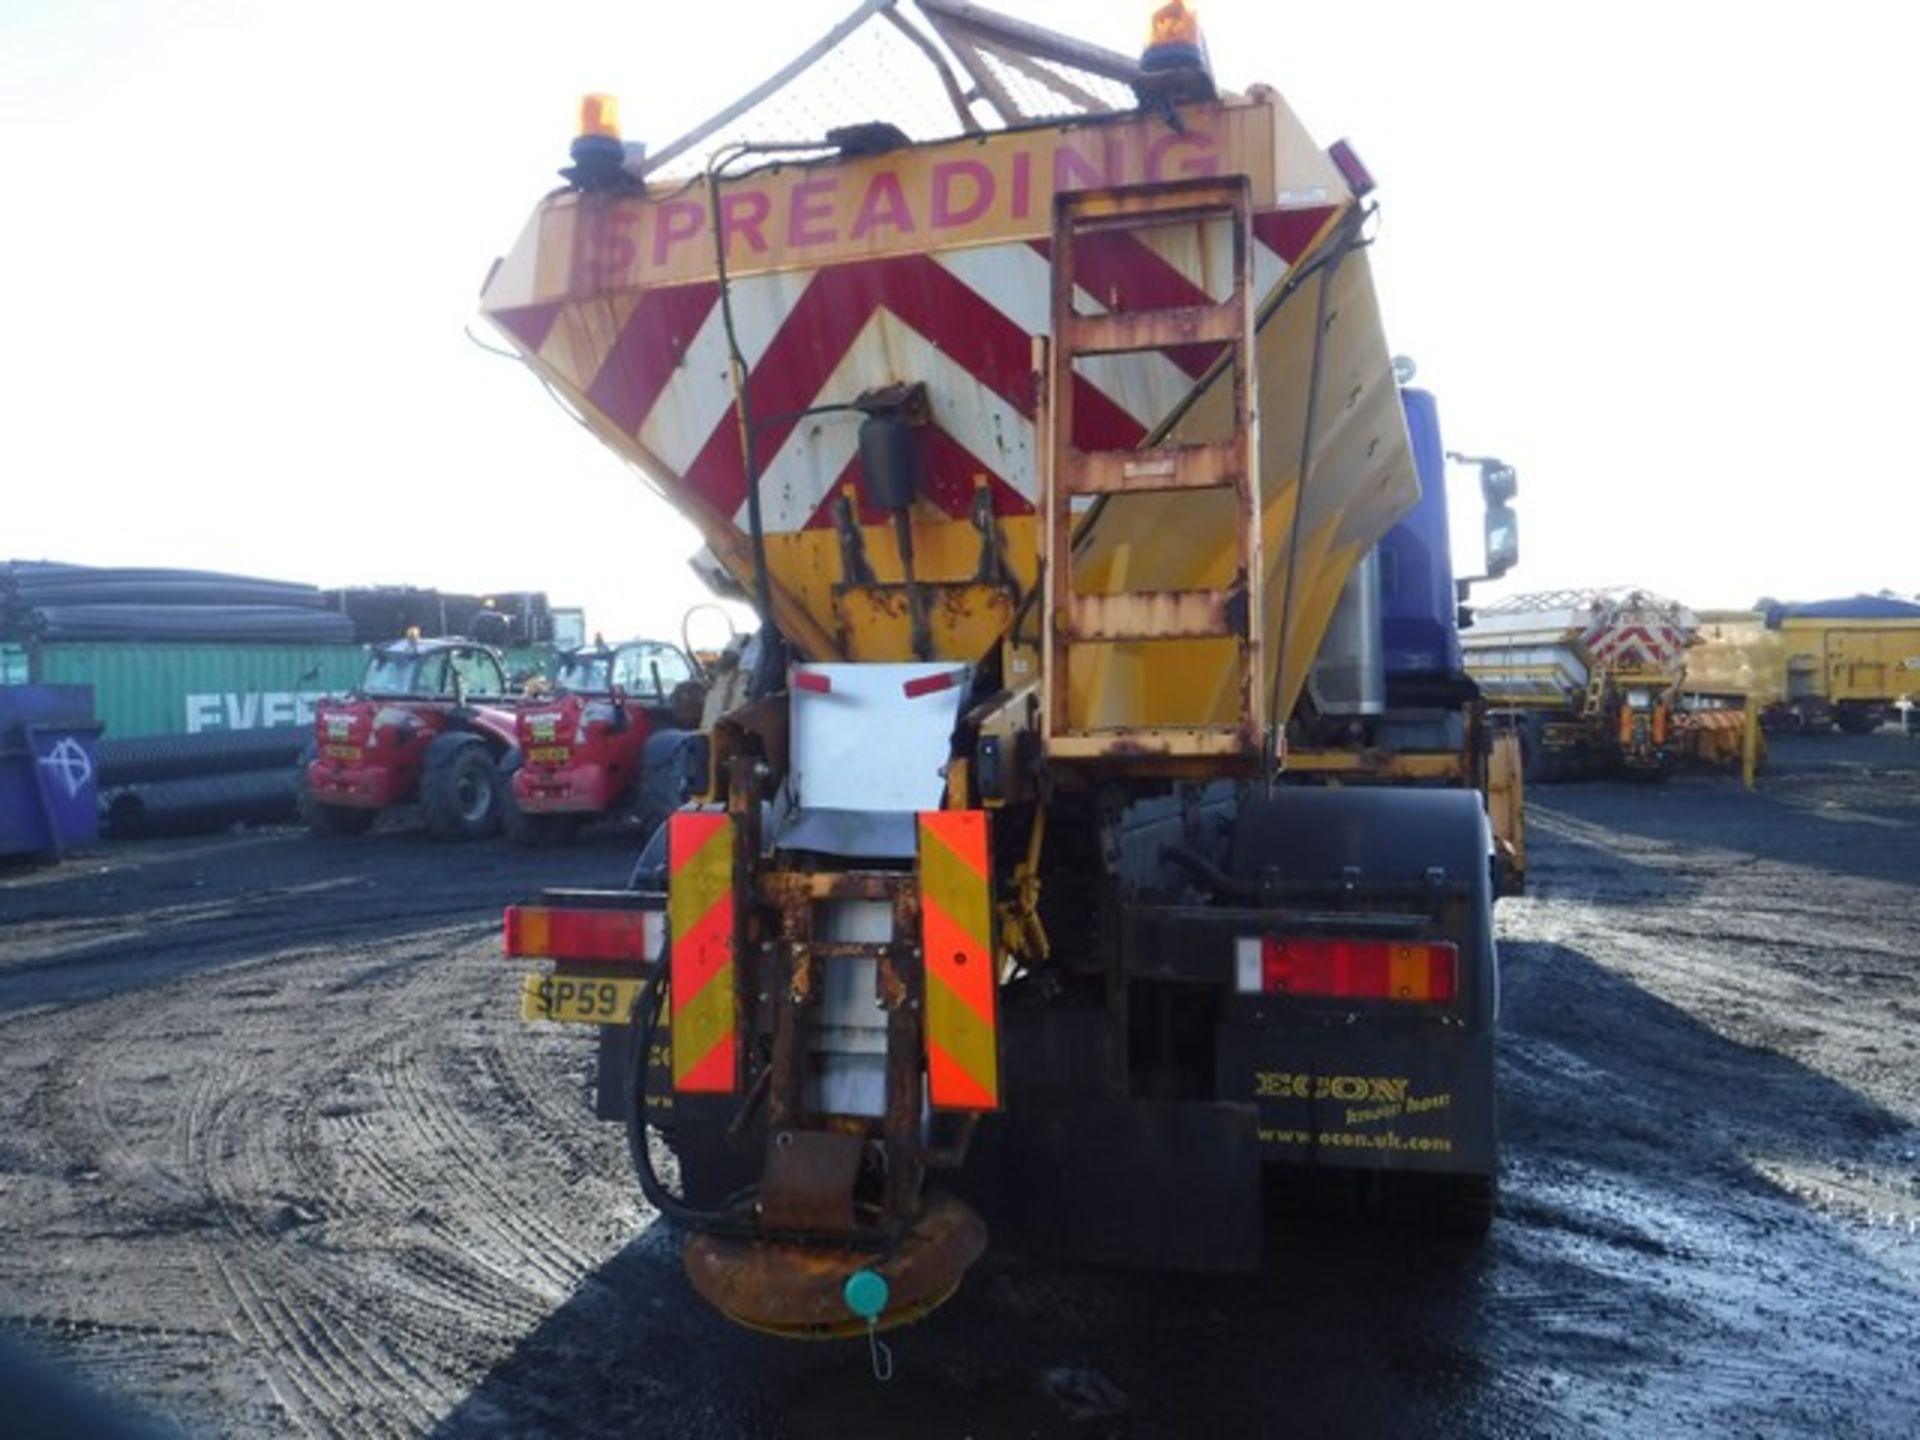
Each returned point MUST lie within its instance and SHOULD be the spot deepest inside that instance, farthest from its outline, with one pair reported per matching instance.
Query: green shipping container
(143, 688)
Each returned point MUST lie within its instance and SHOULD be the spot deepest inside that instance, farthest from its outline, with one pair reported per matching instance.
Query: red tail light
(1427, 972)
(813, 680)
(611, 936)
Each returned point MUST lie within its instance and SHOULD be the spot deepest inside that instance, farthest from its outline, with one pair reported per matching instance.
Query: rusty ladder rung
(1156, 615)
(1121, 332)
(1164, 467)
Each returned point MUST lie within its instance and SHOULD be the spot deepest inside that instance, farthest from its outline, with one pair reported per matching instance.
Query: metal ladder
(1230, 465)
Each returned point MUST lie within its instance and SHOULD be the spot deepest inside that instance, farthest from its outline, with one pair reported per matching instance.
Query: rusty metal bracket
(807, 1184)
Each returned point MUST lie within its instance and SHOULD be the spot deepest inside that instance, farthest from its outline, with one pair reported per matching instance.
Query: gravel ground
(282, 1161)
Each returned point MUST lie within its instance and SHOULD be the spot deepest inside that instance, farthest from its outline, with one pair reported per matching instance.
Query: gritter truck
(1097, 827)
(1848, 663)
(1604, 682)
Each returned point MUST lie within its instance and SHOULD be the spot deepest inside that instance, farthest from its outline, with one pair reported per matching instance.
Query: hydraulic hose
(645, 1021)
(1210, 874)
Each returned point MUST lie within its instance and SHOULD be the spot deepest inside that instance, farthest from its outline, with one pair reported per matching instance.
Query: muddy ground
(281, 1160)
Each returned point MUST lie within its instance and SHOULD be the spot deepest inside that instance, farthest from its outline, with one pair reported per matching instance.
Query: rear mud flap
(1416, 1100)
(1174, 1185)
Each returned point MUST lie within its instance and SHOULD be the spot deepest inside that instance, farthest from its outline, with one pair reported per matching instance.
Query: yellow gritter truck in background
(1846, 663)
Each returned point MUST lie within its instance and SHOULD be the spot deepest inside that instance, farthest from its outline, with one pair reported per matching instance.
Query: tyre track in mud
(1761, 975)
(362, 1250)
(486, 1231)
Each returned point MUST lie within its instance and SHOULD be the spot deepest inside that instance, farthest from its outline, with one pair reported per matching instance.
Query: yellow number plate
(578, 999)
(343, 752)
(548, 755)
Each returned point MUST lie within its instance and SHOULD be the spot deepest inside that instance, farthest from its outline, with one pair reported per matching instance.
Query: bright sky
(1659, 256)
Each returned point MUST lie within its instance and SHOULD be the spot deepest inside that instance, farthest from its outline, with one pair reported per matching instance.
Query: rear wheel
(538, 831)
(1465, 1204)
(330, 820)
(1857, 719)
(1457, 1205)
(335, 820)
(459, 796)
(1537, 764)
(533, 831)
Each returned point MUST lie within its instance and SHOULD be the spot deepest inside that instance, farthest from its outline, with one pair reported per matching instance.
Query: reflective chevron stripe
(962, 318)
(700, 921)
(956, 931)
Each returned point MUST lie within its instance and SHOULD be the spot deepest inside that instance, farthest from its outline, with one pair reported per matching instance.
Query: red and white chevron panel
(1627, 640)
(655, 364)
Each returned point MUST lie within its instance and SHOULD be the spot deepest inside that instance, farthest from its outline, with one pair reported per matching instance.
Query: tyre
(1461, 1206)
(1536, 761)
(459, 791)
(329, 820)
(532, 831)
(1857, 719)
(335, 820)
(1464, 1205)
(537, 831)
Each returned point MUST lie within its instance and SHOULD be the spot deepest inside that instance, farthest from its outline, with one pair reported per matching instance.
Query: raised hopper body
(834, 277)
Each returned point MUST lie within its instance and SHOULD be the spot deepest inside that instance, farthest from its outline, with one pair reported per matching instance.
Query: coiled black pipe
(200, 804)
(183, 757)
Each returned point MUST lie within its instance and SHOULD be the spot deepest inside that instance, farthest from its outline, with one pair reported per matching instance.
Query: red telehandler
(428, 723)
(595, 745)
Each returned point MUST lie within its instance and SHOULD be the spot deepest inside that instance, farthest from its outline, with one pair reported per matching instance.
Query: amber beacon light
(1173, 39)
(599, 155)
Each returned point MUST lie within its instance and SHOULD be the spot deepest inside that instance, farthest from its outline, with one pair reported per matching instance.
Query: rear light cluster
(611, 936)
(1426, 972)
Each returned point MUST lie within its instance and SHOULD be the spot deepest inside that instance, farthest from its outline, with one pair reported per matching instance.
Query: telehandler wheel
(335, 820)
(331, 820)
(533, 831)
(459, 796)
(537, 832)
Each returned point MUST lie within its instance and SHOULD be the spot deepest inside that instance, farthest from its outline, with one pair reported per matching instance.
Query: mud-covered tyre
(1857, 719)
(329, 820)
(1464, 1205)
(537, 832)
(1460, 1206)
(532, 831)
(1536, 762)
(459, 789)
(335, 820)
